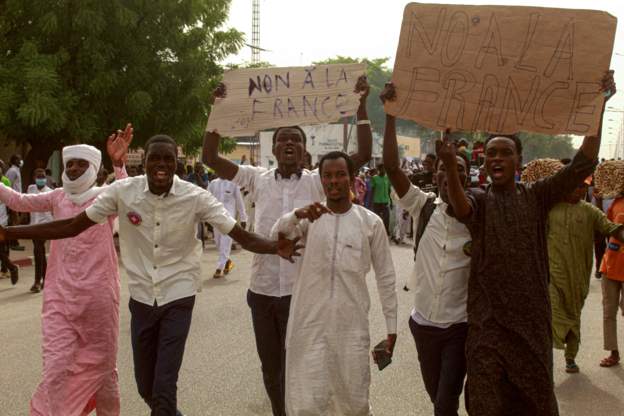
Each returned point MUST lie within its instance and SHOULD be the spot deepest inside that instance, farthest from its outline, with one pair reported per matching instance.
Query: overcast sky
(298, 32)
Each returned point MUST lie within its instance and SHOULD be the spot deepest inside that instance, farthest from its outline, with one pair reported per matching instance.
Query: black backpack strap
(423, 220)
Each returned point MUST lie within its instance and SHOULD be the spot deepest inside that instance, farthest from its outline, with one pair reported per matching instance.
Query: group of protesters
(482, 306)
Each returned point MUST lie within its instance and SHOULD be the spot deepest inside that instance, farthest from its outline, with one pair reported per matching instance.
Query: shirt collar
(279, 175)
(172, 190)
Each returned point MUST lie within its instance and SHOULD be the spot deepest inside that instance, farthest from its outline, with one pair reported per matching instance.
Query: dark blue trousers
(442, 357)
(158, 338)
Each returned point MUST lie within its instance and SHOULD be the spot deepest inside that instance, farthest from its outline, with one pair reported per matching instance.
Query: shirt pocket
(350, 255)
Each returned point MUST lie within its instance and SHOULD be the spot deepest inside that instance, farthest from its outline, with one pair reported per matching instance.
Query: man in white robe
(228, 193)
(327, 339)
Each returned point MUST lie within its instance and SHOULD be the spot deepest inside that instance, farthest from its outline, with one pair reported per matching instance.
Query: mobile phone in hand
(382, 356)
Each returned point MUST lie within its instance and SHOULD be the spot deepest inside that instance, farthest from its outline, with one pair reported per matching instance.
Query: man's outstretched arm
(253, 242)
(55, 230)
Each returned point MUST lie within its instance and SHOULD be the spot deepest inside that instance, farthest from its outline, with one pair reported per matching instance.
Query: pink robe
(80, 317)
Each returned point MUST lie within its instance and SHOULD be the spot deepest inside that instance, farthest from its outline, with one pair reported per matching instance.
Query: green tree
(73, 71)
(537, 146)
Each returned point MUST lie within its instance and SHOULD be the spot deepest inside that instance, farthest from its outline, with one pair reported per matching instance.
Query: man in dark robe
(509, 344)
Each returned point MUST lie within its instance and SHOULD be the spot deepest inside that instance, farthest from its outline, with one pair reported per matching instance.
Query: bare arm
(399, 180)
(591, 144)
(253, 242)
(446, 151)
(55, 230)
(224, 168)
(364, 133)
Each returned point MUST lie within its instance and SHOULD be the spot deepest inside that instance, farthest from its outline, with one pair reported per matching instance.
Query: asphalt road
(221, 371)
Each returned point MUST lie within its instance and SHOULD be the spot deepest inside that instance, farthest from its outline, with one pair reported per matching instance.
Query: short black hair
(512, 137)
(430, 156)
(15, 160)
(38, 170)
(338, 155)
(276, 132)
(161, 138)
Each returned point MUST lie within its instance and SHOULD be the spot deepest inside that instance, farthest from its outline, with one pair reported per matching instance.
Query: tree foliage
(73, 71)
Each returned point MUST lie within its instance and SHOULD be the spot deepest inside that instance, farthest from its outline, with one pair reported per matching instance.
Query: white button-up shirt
(228, 193)
(442, 268)
(275, 196)
(159, 248)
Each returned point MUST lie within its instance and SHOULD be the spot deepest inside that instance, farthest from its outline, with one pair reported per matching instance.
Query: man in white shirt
(158, 213)
(438, 321)
(230, 196)
(276, 192)
(328, 341)
(39, 251)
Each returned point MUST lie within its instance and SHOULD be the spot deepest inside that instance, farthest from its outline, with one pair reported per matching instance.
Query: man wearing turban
(80, 316)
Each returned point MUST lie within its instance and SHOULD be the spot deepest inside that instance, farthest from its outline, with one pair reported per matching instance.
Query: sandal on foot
(610, 361)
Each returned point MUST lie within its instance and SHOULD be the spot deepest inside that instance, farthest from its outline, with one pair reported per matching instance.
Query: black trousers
(41, 263)
(384, 213)
(7, 264)
(158, 338)
(269, 315)
(442, 357)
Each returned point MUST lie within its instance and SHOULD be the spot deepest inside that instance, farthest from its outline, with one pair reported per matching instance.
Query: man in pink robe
(80, 316)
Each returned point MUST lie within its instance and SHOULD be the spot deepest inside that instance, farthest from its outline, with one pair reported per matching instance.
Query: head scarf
(81, 189)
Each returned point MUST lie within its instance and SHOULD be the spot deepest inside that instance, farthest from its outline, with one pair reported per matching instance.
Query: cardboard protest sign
(265, 98)
(502, 69)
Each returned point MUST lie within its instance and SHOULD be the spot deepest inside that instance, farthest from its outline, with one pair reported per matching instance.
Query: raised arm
(399, 180)
(364, 133)
(55, 230)
(224, 168)
(591, 144)
(447, 152)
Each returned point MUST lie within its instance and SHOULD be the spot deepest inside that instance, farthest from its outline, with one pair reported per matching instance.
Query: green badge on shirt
(468, 248)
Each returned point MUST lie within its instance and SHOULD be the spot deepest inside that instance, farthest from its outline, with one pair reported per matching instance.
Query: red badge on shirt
(134, 218)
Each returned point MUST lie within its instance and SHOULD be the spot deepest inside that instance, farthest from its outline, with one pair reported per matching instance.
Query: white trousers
(224, 245)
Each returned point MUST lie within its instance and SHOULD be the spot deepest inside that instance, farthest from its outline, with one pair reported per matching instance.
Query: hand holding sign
(608, 85)
(251, 100)
(502, 69)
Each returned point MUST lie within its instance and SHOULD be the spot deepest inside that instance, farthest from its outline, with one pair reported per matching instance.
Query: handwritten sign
(259, 99)
(502, 69)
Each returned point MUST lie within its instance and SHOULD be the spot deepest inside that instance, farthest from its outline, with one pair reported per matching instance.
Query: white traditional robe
(228, 193)
(327, 339)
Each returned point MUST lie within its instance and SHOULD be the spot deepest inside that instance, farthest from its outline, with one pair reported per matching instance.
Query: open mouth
(161, 175)
(497, 171)
(289, 152)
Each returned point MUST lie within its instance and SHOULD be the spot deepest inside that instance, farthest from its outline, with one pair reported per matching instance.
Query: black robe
(509, 345)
